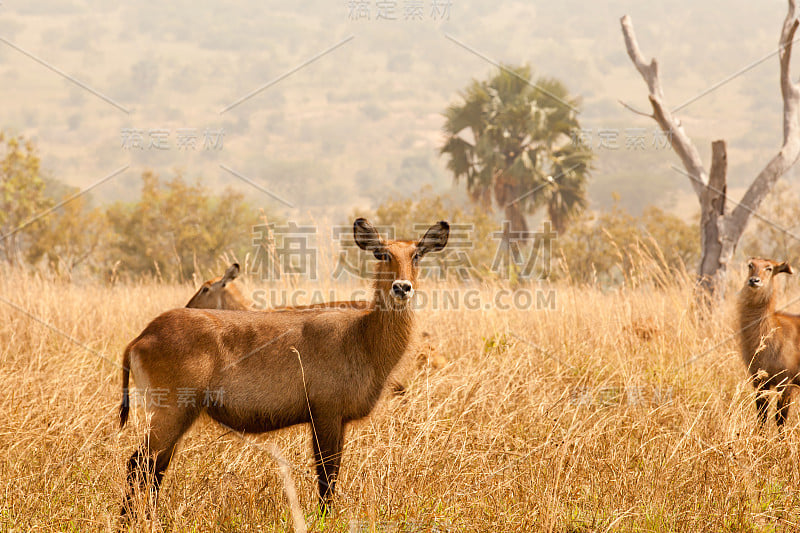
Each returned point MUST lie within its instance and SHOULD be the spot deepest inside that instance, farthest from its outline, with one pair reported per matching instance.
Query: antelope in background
(325, 367)
(769, 339)
(220, 293)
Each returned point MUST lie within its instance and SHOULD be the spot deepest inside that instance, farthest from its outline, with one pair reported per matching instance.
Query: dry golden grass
(617, 411)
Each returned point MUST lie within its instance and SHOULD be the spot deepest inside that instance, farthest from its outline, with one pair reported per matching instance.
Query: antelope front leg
(328, 440)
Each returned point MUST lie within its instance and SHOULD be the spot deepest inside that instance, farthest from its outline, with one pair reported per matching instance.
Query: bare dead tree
(720, 228)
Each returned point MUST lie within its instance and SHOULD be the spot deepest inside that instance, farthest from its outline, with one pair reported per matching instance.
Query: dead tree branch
(720, 230)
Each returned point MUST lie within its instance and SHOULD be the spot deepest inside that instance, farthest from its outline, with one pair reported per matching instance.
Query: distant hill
(363, 121)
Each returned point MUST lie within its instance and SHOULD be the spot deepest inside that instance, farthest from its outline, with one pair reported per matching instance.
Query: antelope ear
(367, 238)
(434, 239)
(784, 267)
(230, 274)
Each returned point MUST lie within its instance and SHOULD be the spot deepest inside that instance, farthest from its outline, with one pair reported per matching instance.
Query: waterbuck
(769, 339)
(326, 367)
(220, 293)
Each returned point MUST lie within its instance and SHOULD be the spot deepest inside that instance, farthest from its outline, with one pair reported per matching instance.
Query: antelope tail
(126, 371)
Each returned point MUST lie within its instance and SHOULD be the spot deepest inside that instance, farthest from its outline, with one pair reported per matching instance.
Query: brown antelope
(220, 293)
(769, 339)
(326, 367)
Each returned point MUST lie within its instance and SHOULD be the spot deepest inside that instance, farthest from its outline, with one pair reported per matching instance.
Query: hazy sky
(329, 105)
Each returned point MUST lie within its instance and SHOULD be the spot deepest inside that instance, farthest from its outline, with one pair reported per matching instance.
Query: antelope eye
(768, 269)
(204, 290)
(415, 259)
(382, 256)
(750, 266)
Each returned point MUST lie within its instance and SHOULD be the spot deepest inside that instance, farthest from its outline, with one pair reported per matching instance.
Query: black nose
(754, 281)
(401, 288)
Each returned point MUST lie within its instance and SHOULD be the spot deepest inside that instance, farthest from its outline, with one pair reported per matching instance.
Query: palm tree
(512, 142)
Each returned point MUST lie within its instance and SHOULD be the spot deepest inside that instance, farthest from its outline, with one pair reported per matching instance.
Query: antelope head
(398, 266)
(760, 273)
(211, 293)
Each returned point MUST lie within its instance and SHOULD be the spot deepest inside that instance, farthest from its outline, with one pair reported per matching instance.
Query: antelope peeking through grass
(769, 339)
(220, 293)
(326, 367)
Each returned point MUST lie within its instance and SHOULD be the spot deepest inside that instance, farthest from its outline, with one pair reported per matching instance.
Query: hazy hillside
(364, 120)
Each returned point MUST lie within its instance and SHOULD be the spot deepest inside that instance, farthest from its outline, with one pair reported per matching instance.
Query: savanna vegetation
(620, 405)
(176, 228)
(616, 411)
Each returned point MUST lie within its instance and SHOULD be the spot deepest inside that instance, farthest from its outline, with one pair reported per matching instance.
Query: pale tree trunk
(10, 250)
(715, 255)
(720, 228)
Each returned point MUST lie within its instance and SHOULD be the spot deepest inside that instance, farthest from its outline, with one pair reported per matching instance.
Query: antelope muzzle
(402, 289)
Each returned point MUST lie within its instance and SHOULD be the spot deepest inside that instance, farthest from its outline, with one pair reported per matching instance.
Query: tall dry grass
(617, 411)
